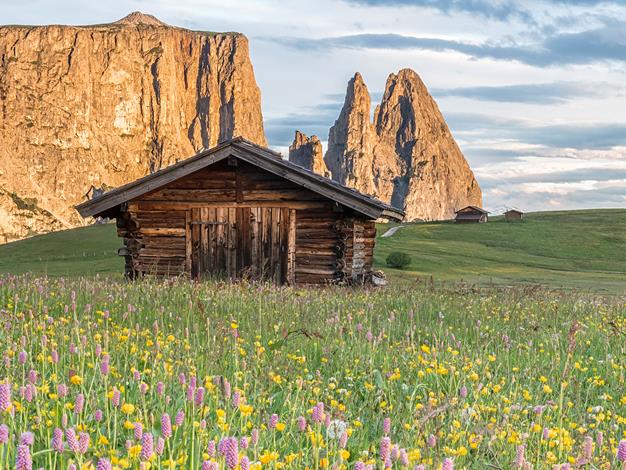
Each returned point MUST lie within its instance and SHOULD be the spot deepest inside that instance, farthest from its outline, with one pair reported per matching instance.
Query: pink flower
(302, 423)
(138, 430)
(116, 397)
(431, 441)
(199, 396)
(79, 403)
(385, 448)
(104, 464)
(159, 388)
(180, 418)
(519, 456)
(245, 463)
(72, 442)
(404, 458)
(273, 421)
(621, 451)
(160, 446)
(23, 460)
(32, 376)
(463, 392)
(231, 452)
(448, 464)
(57, 440)
(97, 416)
(147, 446)
(83, 442)
(236, 399)
(318, 413)
(22, 356)
(5, 396)
(386, 426)
(27, 438)
(211, 448)
(254, 436)
(166, 426)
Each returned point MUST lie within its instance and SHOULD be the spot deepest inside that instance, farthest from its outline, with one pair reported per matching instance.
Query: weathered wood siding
(236, 219)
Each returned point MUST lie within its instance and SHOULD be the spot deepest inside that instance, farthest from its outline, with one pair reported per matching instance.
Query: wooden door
(241, 242)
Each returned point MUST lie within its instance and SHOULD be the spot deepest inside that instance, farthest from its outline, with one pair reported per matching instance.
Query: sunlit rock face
(94, 107)
(406, 156)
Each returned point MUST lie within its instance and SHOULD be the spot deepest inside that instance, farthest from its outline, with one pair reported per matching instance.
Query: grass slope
(580, 249)
(573, 249)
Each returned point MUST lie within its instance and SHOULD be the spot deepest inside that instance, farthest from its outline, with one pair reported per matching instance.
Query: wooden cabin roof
(474, 208)
(249, 152)
(514, 211)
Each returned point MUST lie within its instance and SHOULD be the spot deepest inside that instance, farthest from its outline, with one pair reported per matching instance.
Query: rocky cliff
(406, 156)
(307, 152)
(98, 106)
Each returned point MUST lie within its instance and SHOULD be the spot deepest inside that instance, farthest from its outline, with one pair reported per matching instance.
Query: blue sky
(534, 91)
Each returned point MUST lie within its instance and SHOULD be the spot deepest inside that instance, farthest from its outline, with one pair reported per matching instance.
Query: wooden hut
(513, 215)
(239, 210)
(471, 214)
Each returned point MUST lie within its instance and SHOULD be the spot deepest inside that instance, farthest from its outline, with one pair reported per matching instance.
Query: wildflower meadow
(104, 374)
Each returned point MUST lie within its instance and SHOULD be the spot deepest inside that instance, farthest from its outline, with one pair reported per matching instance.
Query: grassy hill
(572, 249)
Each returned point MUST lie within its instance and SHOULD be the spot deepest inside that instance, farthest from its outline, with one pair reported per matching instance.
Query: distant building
(513, 215)
(471, 214)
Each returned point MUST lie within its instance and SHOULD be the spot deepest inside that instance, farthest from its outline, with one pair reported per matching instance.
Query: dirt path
(391, 231)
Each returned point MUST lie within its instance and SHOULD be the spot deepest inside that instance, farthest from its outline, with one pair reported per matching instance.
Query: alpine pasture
(101, 373)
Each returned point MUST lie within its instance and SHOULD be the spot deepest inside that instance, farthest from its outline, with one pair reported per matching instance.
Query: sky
(534, 91)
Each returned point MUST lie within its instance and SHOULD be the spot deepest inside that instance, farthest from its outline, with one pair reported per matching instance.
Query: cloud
(575, 136)
(534, 93)
(501, 10)
(605, 43)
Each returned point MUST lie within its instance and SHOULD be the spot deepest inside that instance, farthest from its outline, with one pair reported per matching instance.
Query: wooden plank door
(236, 242)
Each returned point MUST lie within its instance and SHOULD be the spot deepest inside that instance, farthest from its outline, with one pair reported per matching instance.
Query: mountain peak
(136, 17)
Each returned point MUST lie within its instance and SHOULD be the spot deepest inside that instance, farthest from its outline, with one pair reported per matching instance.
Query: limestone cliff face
(406, 156)
(98, 106)
(307, 152)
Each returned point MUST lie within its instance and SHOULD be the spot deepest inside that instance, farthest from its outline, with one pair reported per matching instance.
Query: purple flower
(211, 448)
(103, 464)
(79, 403)
(180, 418)
(138, 430)
(463, 392)
(166, 426)
(431, 441)
(32, 376)
(621, 451)
(359, 466)
(588, 448)
(55, 357)
(519, 457)
(386, 426)
(199, 396)
(243, 442)
(62, 390)
(385, 448)
(600, 439)
(404, 458)
(236, 399)
(302, 423)
(245, 463)
(22, 356)
(159, 388)
(160, 446)
(97, 416)
(273, 421)
(27, 438)
(318, 413)
(343, 440)
(448, 464)
(23, 460)
(5, 396)
(104, 365)
(72, 442)
(254, 436)
(83, 442)
(116, 397)
(57, 440)
(147, 446)
(231, 452)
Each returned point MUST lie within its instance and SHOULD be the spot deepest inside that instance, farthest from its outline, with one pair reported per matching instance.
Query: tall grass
(477, 376)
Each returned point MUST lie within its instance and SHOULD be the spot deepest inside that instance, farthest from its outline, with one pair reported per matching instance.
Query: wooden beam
(291, 248)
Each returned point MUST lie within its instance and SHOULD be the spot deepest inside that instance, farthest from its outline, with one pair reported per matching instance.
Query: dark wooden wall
(254, 214)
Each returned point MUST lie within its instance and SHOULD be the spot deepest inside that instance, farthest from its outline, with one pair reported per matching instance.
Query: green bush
(398, 259)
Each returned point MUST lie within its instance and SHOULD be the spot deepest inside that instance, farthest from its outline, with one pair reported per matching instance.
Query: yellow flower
(344, 454)
(280, 427)
(128, 408)
(103, 440)
(76, 380)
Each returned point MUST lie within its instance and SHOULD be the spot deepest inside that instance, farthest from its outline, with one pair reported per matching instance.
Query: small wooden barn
(471, 214)
(513, 215)
(241, 211)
